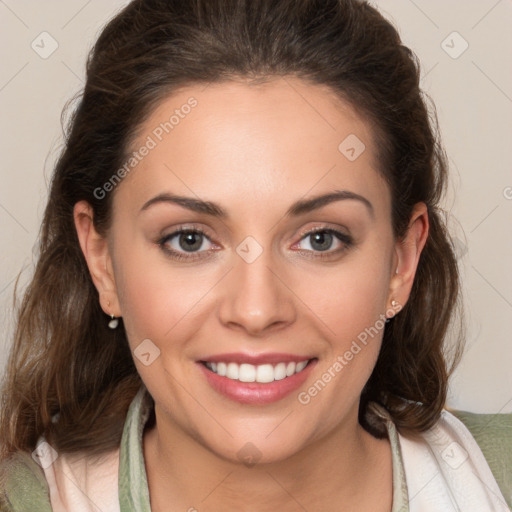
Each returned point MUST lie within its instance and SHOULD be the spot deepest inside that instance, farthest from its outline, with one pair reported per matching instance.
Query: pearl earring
(396, 307)
(114, 322)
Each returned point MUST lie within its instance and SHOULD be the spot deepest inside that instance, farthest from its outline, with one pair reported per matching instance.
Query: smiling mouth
(263, 373)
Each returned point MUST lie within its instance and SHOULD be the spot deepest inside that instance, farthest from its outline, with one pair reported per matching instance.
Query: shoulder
(493, 434)
(445, 465)
(67, 482)
(23, 485)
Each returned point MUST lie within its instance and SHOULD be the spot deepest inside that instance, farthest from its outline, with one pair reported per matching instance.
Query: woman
(244, 281)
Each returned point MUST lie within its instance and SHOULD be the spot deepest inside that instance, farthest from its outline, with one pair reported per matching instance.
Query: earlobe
(407, 254)
(97, 255)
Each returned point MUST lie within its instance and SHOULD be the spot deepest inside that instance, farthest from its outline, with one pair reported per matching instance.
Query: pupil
(190, 241)
(321, 241)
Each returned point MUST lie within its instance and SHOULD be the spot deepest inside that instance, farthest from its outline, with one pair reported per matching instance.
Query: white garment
(440, 470)
(446, 471)
(79, 484)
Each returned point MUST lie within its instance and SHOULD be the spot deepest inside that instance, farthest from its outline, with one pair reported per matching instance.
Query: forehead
(278, 140)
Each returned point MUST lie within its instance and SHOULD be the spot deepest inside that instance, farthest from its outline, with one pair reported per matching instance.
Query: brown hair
(65, 359)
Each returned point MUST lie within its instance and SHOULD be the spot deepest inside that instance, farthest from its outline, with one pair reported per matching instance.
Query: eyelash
(345, 239)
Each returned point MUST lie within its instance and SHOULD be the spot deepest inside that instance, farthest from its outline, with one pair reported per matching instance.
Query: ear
(97, 255)
(407, 254)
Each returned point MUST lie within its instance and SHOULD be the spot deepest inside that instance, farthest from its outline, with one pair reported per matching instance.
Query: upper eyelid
(185, 229)
(177, 232)
(329, 229)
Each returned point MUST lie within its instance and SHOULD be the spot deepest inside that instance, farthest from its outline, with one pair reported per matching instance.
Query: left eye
(324, 240)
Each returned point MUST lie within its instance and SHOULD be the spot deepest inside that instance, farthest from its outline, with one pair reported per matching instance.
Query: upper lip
(255, 359)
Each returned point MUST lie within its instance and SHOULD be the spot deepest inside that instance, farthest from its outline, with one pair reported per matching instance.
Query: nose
(255, 298)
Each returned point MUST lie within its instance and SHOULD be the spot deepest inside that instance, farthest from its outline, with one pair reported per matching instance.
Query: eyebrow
(308, 205)
(298, 208)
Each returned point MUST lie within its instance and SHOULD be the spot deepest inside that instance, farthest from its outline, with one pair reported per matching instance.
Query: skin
(254, 150)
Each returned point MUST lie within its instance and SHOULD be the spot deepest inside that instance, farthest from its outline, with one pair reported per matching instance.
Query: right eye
(186, 244)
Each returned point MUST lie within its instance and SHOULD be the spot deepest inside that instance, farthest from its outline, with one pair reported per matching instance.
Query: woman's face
(287, 256)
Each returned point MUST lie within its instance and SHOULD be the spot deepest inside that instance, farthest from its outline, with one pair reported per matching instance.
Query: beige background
(473, 94)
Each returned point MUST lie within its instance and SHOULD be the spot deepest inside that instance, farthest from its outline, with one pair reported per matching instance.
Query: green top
(26, 488)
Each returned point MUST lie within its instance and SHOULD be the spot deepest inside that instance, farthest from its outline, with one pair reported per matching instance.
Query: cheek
(348, 299)
(154, 296)
(350, 302)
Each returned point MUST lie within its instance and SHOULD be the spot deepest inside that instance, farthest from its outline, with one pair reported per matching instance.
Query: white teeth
(232, 371)
(300, 366)
(263, 373)
(280, 371)
(290, 369)
(246, 373)
(221, 369)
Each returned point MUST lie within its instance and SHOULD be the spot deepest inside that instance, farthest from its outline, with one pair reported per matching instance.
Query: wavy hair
(65, 360)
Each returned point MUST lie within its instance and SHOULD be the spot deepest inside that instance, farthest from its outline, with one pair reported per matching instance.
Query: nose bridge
(254, 298)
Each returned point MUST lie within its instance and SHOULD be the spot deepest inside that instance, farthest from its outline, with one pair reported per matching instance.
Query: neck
(347, 464)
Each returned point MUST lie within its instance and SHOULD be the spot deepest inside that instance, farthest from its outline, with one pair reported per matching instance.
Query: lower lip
(254, 392)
